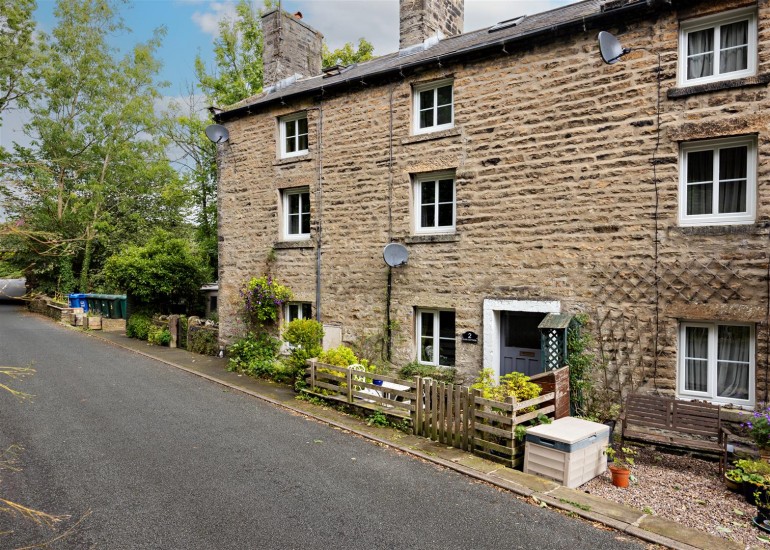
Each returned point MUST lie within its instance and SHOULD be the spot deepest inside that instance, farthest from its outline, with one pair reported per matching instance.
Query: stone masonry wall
(421, 19)
(557, 199)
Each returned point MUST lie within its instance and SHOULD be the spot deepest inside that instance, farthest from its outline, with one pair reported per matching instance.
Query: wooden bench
(671, 421)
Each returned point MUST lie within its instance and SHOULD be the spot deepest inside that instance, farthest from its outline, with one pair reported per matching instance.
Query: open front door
(520, 343)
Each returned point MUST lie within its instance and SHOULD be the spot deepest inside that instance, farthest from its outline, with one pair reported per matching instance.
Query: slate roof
(581, 15)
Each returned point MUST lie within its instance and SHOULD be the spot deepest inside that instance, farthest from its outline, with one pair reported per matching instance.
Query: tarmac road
(152, 457)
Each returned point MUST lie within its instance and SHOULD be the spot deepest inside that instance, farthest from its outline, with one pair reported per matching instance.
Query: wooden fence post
(511, 400)
(472, 413)
(311, 362)
(349, 378)
(418, 407)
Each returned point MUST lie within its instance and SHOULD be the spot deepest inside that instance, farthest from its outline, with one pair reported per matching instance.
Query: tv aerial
(395, 254)
(217, 133)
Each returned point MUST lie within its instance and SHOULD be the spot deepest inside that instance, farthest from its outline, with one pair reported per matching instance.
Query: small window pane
(294, 224)
(447, 324)
(302, 123)
(306, 311)
(294, 203)
(445, 217)
(446, 353)
(734, 343)
(444, 115)
(426, 118)
(733, 380)
(732, 197)
(734, 47)
(699, 199)
(305, 202)
(426, 322)
(428, 192)
(696, 375)
(428, 216)
(700, 166)
(444, 95)
(302, 143)
(700, 56)
(305, 224)
(733, 163)
(426, 99)
(293, 312)
(291, 128)
(446, 190)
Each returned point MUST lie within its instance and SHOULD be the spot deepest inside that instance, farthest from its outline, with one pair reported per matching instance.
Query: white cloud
(208, 21)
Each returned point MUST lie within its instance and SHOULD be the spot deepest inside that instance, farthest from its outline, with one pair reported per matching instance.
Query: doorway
(520, 343)
(519, 339)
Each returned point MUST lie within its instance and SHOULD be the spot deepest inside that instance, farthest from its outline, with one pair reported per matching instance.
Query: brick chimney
(421, 19)
(291, 47)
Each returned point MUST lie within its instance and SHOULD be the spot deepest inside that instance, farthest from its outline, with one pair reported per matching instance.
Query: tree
(238, 56)
(164, 272)
(96, 175)
(346, 55)
(21, 50)
(195, 158)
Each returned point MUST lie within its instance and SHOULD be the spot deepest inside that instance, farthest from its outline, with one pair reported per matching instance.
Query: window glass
(436, 204)
(717, 362)
(700, 54)
(734, 39)
(732, 179)
(297, 214)
(436, 329)
(433, 108)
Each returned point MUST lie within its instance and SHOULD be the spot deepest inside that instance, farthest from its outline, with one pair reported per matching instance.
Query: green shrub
(138, 326)
(254, 354)
(341, 356)
(427, 371)
(205, 342)
(514, 384)
(262, 297)
(305, 336)
(159, 336)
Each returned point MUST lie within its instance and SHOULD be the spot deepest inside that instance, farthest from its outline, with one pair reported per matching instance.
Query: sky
(192, 26)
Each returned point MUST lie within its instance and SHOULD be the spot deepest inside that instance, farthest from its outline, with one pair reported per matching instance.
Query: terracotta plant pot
(620, 476)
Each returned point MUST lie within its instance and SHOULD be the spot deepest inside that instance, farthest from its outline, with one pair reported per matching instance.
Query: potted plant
(762, 502)
(622, 461)
(734, 479)
(755, 477)
(758, 427)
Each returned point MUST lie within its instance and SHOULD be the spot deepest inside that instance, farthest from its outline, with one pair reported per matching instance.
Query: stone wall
(558, 199)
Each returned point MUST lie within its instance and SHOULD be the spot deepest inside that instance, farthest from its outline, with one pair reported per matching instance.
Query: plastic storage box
(569, 451)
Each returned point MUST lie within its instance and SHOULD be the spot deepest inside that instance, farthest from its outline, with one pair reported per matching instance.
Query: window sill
(717, 230)
(686, 91)
(285, 245)
(441, 134)
(437, 238)
(293, 160)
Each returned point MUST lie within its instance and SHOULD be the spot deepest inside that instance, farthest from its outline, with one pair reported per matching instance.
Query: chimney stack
(291, 47)
(422, 19)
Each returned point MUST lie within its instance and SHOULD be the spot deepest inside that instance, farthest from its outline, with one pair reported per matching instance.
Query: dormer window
(718, 47)
(433, 107)
(293, 130)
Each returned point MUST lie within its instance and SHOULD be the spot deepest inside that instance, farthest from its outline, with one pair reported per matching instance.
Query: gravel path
(687, 490)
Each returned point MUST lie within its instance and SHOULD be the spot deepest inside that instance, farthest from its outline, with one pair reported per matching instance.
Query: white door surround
(491, 320)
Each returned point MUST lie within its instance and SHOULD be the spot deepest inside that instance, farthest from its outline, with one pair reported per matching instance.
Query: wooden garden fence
(450, 414)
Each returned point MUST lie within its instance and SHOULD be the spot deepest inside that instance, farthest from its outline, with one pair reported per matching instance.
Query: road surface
(152, 457)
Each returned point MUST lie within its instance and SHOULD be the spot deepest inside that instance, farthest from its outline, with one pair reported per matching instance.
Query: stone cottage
(524, 177)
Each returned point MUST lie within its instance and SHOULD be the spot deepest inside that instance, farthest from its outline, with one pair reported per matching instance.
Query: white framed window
(434, 203)
(298, 310)
(718, 182)
(433, 107)
(718, 47)
(293, 131)
(296, 214)
(716, 362)
(436, 337)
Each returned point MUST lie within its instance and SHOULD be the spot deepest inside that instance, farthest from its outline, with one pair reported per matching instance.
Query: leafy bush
(305, 336)
(254, 354)
(166, 270)
(138, 326)
(203, 341)
(341, 356)
(427, 371)
(159, 336)
(514, 384)
(183, 326)
(262, 298)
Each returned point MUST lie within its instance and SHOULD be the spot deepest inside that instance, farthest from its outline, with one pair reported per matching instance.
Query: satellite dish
(610, 48)
(217, 133)
(395, 254)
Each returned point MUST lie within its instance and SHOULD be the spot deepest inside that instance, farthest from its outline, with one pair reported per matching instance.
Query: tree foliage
(21, 50)
(346, 55)
(96, 175)
(165, 271)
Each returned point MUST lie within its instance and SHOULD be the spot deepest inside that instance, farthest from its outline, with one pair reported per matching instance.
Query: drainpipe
(319, 208)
